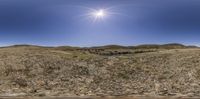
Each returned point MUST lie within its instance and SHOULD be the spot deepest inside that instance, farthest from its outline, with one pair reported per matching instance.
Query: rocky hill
(71, 71)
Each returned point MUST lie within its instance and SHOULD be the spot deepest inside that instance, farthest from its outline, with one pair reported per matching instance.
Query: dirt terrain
(153, 70)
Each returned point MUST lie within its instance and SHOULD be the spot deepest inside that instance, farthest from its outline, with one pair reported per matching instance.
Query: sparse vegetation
(46, 71)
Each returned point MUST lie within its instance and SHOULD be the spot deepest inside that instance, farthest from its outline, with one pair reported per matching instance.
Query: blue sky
(128, 22)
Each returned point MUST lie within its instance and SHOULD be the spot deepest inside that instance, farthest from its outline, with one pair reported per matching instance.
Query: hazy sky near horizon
(126, 22)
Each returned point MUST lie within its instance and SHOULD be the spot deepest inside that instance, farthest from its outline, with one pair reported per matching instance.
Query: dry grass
(56, 72)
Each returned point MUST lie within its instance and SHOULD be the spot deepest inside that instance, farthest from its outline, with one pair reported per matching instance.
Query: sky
(125, 22)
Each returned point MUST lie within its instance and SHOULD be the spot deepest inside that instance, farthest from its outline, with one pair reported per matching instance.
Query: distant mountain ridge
(147, 46)
(143, 46)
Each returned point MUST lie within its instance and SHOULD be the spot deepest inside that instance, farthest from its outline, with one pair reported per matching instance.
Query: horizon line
(123, 45)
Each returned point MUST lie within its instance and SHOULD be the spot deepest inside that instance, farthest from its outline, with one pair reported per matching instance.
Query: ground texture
(115, 71)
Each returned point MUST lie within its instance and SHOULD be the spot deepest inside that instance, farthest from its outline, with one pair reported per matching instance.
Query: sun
(99, 13)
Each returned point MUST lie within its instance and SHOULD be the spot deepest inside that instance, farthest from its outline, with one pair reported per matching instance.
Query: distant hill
(21, 45)
(164, 46)
(144, 46)
(111, 47)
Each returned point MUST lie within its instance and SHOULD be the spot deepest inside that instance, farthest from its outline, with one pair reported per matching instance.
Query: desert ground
(170, 70)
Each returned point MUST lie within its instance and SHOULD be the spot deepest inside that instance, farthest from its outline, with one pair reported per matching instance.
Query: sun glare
(99, 14)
